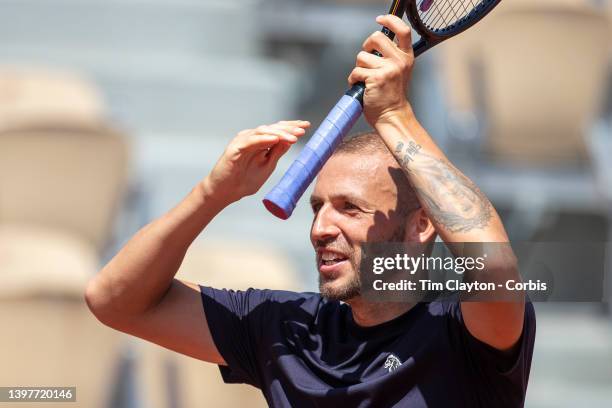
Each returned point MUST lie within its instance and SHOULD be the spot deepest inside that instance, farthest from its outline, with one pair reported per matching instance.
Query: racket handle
(282, 199)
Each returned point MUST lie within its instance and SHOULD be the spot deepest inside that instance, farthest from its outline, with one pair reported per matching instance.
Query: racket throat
(420, 47)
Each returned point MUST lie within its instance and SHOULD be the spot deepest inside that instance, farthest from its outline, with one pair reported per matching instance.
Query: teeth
(328, 256)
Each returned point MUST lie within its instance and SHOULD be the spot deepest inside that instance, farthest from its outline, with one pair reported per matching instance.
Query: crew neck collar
(400, 321)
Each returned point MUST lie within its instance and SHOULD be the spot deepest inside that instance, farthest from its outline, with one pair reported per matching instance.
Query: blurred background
(112, 110)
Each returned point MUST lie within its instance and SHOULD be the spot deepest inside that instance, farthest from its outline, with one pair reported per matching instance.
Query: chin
(342, 289)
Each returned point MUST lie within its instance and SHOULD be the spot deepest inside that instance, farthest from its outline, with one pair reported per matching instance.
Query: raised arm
(136, 292)
(457, 208)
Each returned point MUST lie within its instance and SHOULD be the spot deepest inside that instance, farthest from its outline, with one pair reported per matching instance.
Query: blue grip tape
(282, 199)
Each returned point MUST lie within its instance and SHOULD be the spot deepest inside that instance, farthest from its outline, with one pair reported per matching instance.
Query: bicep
(498, 324)
(178, 322)
(497, 318)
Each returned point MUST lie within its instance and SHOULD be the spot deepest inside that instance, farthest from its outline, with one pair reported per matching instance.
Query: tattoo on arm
(452, 199)
(405, 156)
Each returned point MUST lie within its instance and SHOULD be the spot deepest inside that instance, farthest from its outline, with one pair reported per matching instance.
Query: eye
(348, 206)
(315, 207)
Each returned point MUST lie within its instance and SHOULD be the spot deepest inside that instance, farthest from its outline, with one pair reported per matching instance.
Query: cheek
(356, 231)
(381, 232)
(356, 235)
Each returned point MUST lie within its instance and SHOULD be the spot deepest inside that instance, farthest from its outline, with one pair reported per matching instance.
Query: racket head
(439, 20)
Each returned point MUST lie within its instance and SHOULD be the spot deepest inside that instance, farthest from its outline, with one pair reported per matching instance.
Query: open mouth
(331, 259)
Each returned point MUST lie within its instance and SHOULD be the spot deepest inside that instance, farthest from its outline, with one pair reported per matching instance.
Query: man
(336, 348)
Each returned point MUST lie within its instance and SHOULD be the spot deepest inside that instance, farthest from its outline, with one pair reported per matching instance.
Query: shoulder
(267, 300)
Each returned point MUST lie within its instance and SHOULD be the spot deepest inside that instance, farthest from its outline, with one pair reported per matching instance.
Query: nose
(324, 227)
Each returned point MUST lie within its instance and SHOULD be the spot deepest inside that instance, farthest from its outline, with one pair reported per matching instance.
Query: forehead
(365, 176)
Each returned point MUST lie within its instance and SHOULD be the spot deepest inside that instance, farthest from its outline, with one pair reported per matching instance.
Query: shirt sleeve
(235, 322)
(505, 373)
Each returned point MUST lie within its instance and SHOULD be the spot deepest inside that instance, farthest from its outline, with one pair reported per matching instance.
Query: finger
(277, 152)
(402, 31)
(256, 142)
(368, 60)
(291, 129)
(282, 134)
(304, 124)
(381, 43)
(359, 74)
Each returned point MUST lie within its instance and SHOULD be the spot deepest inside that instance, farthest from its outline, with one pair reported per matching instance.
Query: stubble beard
(352, 288)
(345, 292)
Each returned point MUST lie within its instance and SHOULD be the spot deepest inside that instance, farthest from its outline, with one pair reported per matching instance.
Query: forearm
(138, 277)
(459, 211)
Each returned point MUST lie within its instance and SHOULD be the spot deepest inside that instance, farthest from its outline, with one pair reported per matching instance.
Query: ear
(419, 227)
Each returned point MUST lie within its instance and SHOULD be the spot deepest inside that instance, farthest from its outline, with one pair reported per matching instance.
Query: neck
(367, 314)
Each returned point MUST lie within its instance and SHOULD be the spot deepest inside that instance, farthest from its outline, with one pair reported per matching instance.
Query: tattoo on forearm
(452, 199)
(407, 155)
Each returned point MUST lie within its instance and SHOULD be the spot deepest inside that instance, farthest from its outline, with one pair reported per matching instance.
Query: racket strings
(437, 15)
(446, 14)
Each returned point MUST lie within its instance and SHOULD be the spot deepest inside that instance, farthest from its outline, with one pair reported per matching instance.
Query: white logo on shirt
(392, 363)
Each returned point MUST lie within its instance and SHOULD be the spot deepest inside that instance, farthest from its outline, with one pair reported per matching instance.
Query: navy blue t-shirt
(302, 350)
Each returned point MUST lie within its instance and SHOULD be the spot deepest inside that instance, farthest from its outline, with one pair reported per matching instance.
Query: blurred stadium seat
(29, 96)
(552, 56)
(165, 378)
(39, 261)
(557, 63)
(62, 177)
(54, 341)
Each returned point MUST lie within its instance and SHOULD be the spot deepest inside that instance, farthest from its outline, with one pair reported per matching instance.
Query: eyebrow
(347, 197)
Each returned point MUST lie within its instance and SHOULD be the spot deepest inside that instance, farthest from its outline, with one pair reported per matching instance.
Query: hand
(386, 77)
(250, 158)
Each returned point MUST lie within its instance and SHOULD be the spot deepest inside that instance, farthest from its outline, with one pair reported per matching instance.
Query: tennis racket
(435, 21)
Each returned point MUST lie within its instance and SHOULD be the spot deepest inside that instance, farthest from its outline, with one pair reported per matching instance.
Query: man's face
(354, 201)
